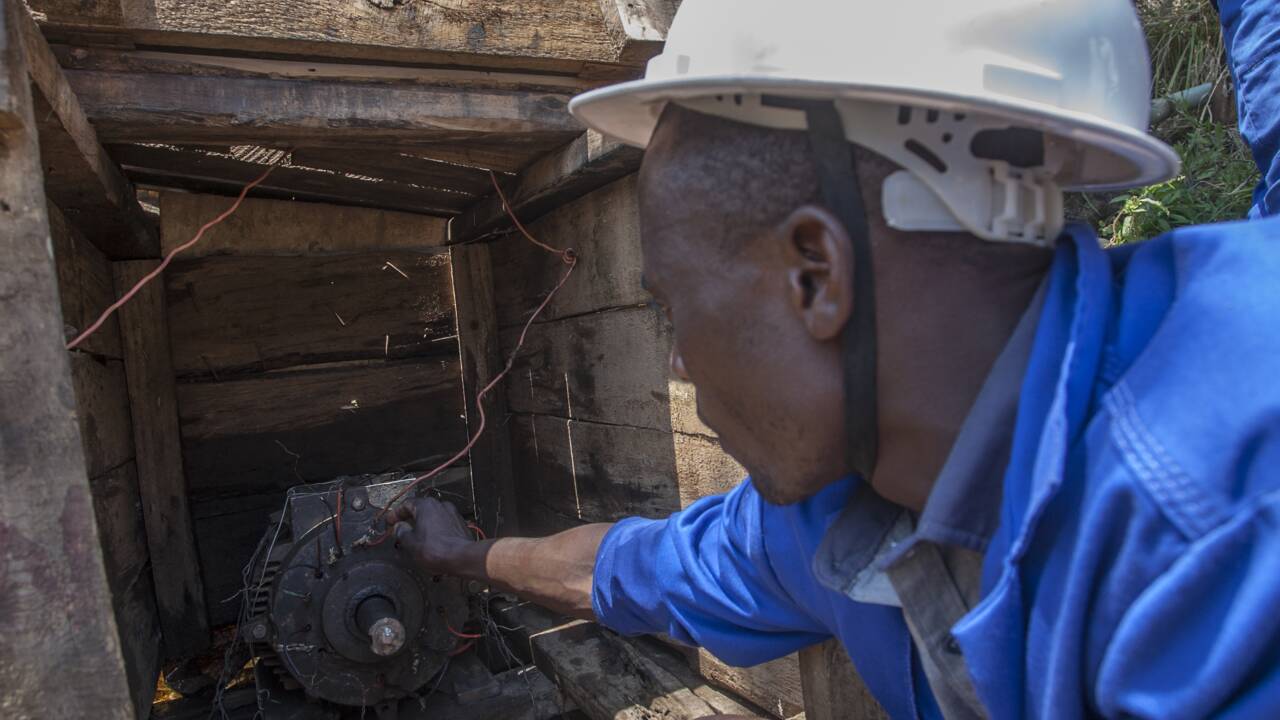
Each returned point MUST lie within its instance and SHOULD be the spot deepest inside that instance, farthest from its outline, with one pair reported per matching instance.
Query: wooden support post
(144, 337)
(60, 656)
(481, 353)
(638, 26)
(79, 177)
(833, 690)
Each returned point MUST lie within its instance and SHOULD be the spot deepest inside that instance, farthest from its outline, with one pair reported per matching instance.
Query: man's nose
(677, 364)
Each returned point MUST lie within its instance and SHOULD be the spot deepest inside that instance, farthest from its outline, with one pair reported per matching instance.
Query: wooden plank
(608, 367)
(144, 331)
(608, 676)
(464, 182)
(236, 314)
(165, 108)
(477, 33)
(833, 690)
(80, 57)
(638, 26)
(774, 685)
(61, 652)
(280, 227)
(102, 407)
(118, 510)
(603, 227)
(589, 162)
(227, 532)
(84, 285)
(587, 472)
(278, 429)
(226, 171)
(79, 177)
(481, 361)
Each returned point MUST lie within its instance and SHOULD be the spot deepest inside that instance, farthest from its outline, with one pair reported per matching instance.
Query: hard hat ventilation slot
(904, 114)
(1020, 147)
(931, 116)
(927, 155)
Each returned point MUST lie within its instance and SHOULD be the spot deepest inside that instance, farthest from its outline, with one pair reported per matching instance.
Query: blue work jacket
(1135, 571)
(1136, 568)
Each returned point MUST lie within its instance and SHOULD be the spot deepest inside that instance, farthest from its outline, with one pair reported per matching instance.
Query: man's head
(757, 279)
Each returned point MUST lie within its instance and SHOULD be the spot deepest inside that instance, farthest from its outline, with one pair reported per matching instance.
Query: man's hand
(554, 571)
(435, 533)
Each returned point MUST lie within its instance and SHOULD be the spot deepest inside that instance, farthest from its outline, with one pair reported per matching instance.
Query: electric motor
(337, 612)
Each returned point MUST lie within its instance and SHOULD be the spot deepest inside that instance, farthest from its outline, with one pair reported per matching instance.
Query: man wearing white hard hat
(1015, 474)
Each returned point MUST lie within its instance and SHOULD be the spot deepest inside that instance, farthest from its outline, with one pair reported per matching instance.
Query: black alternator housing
(337, 613)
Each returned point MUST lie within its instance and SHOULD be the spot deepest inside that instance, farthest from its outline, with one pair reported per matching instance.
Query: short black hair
(756, 176)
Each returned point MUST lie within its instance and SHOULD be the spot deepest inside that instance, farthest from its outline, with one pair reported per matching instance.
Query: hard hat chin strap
(837, 170)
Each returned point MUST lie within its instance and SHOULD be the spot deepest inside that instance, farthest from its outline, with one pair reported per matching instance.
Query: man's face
(770, 391)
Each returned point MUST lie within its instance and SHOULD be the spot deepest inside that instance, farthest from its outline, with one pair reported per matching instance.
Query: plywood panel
(275, 430)
(230, 315)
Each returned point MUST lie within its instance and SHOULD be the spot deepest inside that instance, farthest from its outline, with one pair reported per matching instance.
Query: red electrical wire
(167, 259)
(463, 635)
(479, 532)
(463, 648)
(570, 259)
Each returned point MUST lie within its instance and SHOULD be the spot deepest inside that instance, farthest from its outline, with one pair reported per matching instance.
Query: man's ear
(819, 264)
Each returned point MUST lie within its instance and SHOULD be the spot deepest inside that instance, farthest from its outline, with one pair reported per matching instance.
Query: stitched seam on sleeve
(1187, 504)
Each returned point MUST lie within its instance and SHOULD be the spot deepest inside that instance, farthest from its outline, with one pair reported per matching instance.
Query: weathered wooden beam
(168, 108)
(176, 62)
(610, 677)
(561, 36)
(482, 360)
(224, 172)
(576, 169)
(144, 335)
(833, 690)
(278, 228)
(79, 176)
(61, 652)
(639, 27)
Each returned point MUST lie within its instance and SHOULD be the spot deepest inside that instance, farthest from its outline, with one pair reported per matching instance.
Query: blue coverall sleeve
(1251, 31)
(705, 577)
(1204, 639)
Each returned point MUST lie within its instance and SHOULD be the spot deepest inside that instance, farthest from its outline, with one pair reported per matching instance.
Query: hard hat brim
(629, 112)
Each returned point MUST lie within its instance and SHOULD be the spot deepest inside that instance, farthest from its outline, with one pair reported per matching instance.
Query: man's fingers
(406, 511)
(404, 534)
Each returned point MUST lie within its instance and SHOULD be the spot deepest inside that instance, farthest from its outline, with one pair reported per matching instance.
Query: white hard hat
(947, 89)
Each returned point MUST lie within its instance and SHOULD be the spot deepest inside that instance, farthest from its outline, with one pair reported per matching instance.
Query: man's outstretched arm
(703, 576)
(554, 571)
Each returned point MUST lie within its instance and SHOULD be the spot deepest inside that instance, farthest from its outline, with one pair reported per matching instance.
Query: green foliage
(1218, 173)
(1216, 184)
(1185, 41)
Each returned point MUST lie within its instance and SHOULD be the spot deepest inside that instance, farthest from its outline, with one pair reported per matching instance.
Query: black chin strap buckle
(837, 169)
